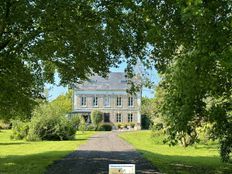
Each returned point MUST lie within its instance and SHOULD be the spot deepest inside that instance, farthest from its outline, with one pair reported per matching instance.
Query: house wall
(113, 109)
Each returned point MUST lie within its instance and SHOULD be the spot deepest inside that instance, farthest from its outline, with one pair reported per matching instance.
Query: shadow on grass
(7, 144)
(34, 163)
(79, 162)
(95, 162)
(174, 164)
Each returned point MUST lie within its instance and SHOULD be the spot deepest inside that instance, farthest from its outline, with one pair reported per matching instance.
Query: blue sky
(56, 90)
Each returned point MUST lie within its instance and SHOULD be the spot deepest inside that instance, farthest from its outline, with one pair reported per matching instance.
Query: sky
(55, 90)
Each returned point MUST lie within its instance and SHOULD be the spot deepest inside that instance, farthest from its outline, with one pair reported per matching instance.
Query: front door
(106, 117)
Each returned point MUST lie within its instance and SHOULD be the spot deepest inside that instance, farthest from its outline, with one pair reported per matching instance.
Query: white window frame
(108, 100)
(130, 101)
(95, 101)
(118, 117)
(83, 101)
(117, 101)
(130, 117)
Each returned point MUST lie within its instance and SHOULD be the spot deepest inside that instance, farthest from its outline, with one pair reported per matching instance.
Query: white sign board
(121, 168)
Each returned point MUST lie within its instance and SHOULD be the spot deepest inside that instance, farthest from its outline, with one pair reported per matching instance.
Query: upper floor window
(106, 101)
(83, 101)
(95, 101)
(130, 117)
(130, 101)
(118, 117)
(119, 101)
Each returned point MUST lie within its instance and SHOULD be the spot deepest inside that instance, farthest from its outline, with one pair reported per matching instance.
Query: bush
(4, 124)
(49, 123)
(82, 126)
(50, 128)
(96, 117)
(75, 121)
(132, 125)
(91, 127)
(158, 126)
(118, 125)
(105, 127)
(19, 129)
(125, 125)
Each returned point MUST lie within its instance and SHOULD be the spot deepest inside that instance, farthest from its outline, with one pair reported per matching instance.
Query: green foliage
(132, 125)
(146, 122)
(124, 125)
(193, 55)
(91, 127)
(118, 125)
(82, 125)
(64, 102)
(105, 127)
(35, 45)
(96, 117)
(75, 121)
(49, 123)
(19, 129)
(5, 124)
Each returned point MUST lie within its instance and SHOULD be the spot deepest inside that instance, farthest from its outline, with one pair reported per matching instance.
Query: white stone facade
(116, 104)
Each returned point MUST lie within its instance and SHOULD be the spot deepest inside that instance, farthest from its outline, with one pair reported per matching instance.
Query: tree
(96, 117)
(73, 38)
(192, 50)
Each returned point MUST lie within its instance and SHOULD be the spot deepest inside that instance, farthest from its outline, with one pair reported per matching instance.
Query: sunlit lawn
(22, 157)
(198, 159)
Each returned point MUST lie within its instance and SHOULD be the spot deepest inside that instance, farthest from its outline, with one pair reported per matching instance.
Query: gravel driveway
(101, 150)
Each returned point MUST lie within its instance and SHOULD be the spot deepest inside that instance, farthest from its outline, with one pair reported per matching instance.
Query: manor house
(110, 96)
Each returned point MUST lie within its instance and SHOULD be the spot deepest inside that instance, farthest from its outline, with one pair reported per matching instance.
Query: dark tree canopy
(193, 52)
(73, 38)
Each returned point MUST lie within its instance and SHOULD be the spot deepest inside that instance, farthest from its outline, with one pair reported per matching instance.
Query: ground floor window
(130, 117)
(118, 117)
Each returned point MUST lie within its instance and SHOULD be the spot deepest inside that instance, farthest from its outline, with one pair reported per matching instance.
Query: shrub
(118, 125)
(132, 125)
(125, 125)
(96, 117)
(53, 127)
(105, 127)
(158, 126)
(49, 123)
(91, 127)
(4, 124)
(82, 126)
(75, 121)
(19, 129)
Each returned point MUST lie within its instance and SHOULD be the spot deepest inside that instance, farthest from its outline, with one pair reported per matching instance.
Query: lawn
(22, 157)
(197, 159)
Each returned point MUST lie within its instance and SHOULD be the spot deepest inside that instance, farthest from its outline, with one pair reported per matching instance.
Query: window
(119, 101)
(106, 117)
(118, 117)
(95, 101)
(107, 101)
(83, 101)
(130, 101)
(130, 117)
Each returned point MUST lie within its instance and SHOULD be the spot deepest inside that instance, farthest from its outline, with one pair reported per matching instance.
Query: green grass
(22, 157)
(198, 159)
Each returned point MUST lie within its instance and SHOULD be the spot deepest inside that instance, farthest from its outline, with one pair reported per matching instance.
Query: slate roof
(114, 81)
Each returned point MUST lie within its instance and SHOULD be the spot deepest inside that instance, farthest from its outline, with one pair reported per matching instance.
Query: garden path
(101, 150)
